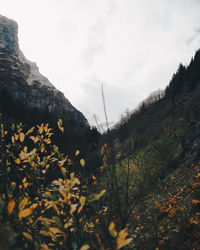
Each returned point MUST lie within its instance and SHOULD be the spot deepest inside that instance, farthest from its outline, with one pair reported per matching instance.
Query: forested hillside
(156, 155)
(65, 186)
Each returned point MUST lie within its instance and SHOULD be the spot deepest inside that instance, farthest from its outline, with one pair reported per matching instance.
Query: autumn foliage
(45, 202)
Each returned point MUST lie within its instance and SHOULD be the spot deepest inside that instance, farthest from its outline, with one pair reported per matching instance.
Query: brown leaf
(44, 233)
(195, 202)
(100, 242)
(55, 230)
(17, 161)
(27, 236)
(25, 213)
(44, 247)
(34, 139)
(30, 131)
(112, 230)
(85, 247)
(13, 139)
(23, 203)
(21, 137)
(73, 208)
(82, 201)
(11, 205)
(121, 239)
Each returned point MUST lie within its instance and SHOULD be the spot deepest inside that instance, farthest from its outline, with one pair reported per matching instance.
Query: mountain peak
(9, 41)
(9, 35)
(23, 89)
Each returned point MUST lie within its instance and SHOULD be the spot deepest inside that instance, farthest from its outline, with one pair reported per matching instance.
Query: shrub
(44, 199)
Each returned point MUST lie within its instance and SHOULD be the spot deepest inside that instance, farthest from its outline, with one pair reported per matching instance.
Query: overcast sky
(131, 46)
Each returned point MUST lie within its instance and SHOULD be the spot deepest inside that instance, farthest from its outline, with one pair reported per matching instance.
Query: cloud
(132, 46)
(95, 44)
(115, 96)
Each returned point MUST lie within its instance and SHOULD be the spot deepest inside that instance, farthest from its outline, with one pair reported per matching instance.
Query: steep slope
(155, 160)
(175, 113)
(28, 96)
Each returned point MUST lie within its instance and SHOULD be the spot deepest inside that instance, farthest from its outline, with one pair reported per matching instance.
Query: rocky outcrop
(24, 92)
(191, 143)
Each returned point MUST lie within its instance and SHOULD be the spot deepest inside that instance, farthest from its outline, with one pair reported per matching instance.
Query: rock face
(24, 92)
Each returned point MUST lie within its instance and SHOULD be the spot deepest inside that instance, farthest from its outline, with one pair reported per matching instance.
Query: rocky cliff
(24, 92)
(27, 96)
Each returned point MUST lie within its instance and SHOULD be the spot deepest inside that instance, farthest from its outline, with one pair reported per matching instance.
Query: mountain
(28, 96)
(155, 161)
(165, 112)
(148, 181)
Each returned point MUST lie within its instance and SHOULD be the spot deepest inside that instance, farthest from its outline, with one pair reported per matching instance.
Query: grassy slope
(163, 180)
(167, 217)
(163, 189)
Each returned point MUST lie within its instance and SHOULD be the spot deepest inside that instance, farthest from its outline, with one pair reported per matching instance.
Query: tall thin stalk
(114, 181)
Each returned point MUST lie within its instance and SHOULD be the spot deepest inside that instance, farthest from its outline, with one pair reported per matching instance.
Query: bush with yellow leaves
(42, 212)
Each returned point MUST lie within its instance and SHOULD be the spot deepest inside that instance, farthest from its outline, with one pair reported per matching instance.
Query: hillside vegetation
(138, 188)
(153, 158)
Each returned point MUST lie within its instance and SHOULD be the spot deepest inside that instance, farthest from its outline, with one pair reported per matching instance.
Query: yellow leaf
(40, 129)
(26, 185)
(72, 175)
(23, 155)
(17, 161)
(44, 233)
(95, 197)
(11, 205)
(24, 180)
(74, 180)
(23, 203)
(13, 139)
(77, 153)
(82, 162)
(85, 247)
(100, 242)
(101, 193)
(44, 247)
(16, 136)
(195, 202)
(34, 205)
(63, 170)
(21, 137)
(47, 166)
(68, 224)
(42, 148)
(61, 163)
(121, 239)
(34, 139)
(25, 213)
(73, 208)
(30, 130)
(112, 229)
(55, 230)
(27, 236)
(57, 183)
(62, 193)
(56, 209)
(82, 201)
